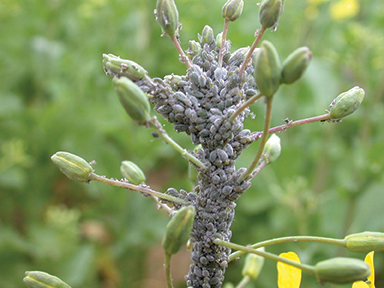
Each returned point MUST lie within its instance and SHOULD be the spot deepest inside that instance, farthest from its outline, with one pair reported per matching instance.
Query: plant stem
(157, 125)
(246, 104)
(264, 137)
(340, 242)
(262, 165)
(260, 34)
(306, 268)
(222, 47)
(139, 188)
(244, 281)
(168, 270)
(290, 124)
(184, 58)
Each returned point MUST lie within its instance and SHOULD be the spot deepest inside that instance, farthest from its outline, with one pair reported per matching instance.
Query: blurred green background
(54, 96)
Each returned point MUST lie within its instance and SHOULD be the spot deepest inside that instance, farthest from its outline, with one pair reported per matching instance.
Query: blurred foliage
(54, 96)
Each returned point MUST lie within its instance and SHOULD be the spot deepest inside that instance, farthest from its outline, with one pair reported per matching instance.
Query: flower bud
(194, 48)
(295, 65)
(346, 103)
(342, 270)
(133, 99)
(37, 279)
(253, 265)
(270, 12)
(132, 172)
(365, 242)
(267, 69)
(232, 9)
(178, 230)
(207, 35)
(167, 16)
(72, 166)
(115, 66)
(219, 39)
(272, 148)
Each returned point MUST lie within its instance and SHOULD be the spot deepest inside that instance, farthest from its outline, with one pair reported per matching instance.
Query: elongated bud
(207, 35)
(232, 9)
(295, 65)
(167, 16)
(72, 166)
(37, 279)
(346, 103)
(219, 39)
(132, 172)
(365, 242)
(178, 230)
(272, 148)
(270, 12)
(267, 69)
(253, 265)
(194, 49)
(342, 270)
(115, 66)
(133, 99)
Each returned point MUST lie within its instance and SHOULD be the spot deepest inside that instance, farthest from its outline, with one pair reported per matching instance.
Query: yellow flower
(344, 9)
(371, 278)
(288, 276)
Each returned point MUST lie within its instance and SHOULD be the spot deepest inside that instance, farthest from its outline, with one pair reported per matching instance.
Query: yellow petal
(287, 275)
(371, 278)
(344, 9)
(369, 260)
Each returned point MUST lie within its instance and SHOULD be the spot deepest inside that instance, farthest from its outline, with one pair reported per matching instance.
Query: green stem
(139, 188)
(340, 242)
(246, 279)
(222, 47)
(246, 104)
(260, 34)
(262, 165)
(184, 58)
(306, 268)
(264, 137)
(157, 125)
(168, 270)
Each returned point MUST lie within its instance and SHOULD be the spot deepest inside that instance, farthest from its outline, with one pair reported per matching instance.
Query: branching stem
(340, 242)
(184, 58)
(157, 125)
(133, 187)
(246, 104)
(222, 47)
(260, 34)
(306, 268)
(264, 137)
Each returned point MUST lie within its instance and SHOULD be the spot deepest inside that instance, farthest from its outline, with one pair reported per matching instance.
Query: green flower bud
(178, 230)
(74, 167)
(270, 12)
(346, 103)
(267, 69)
(132, 172)
(365, 242)
(253, 265)
(219, 39)
(207, 35)
(167, 16)
(194, 48)
(115, 66)
(342, 270)
(272, 148)
(295, 65)
(37, 279)
(232, 9)
(133, 99)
